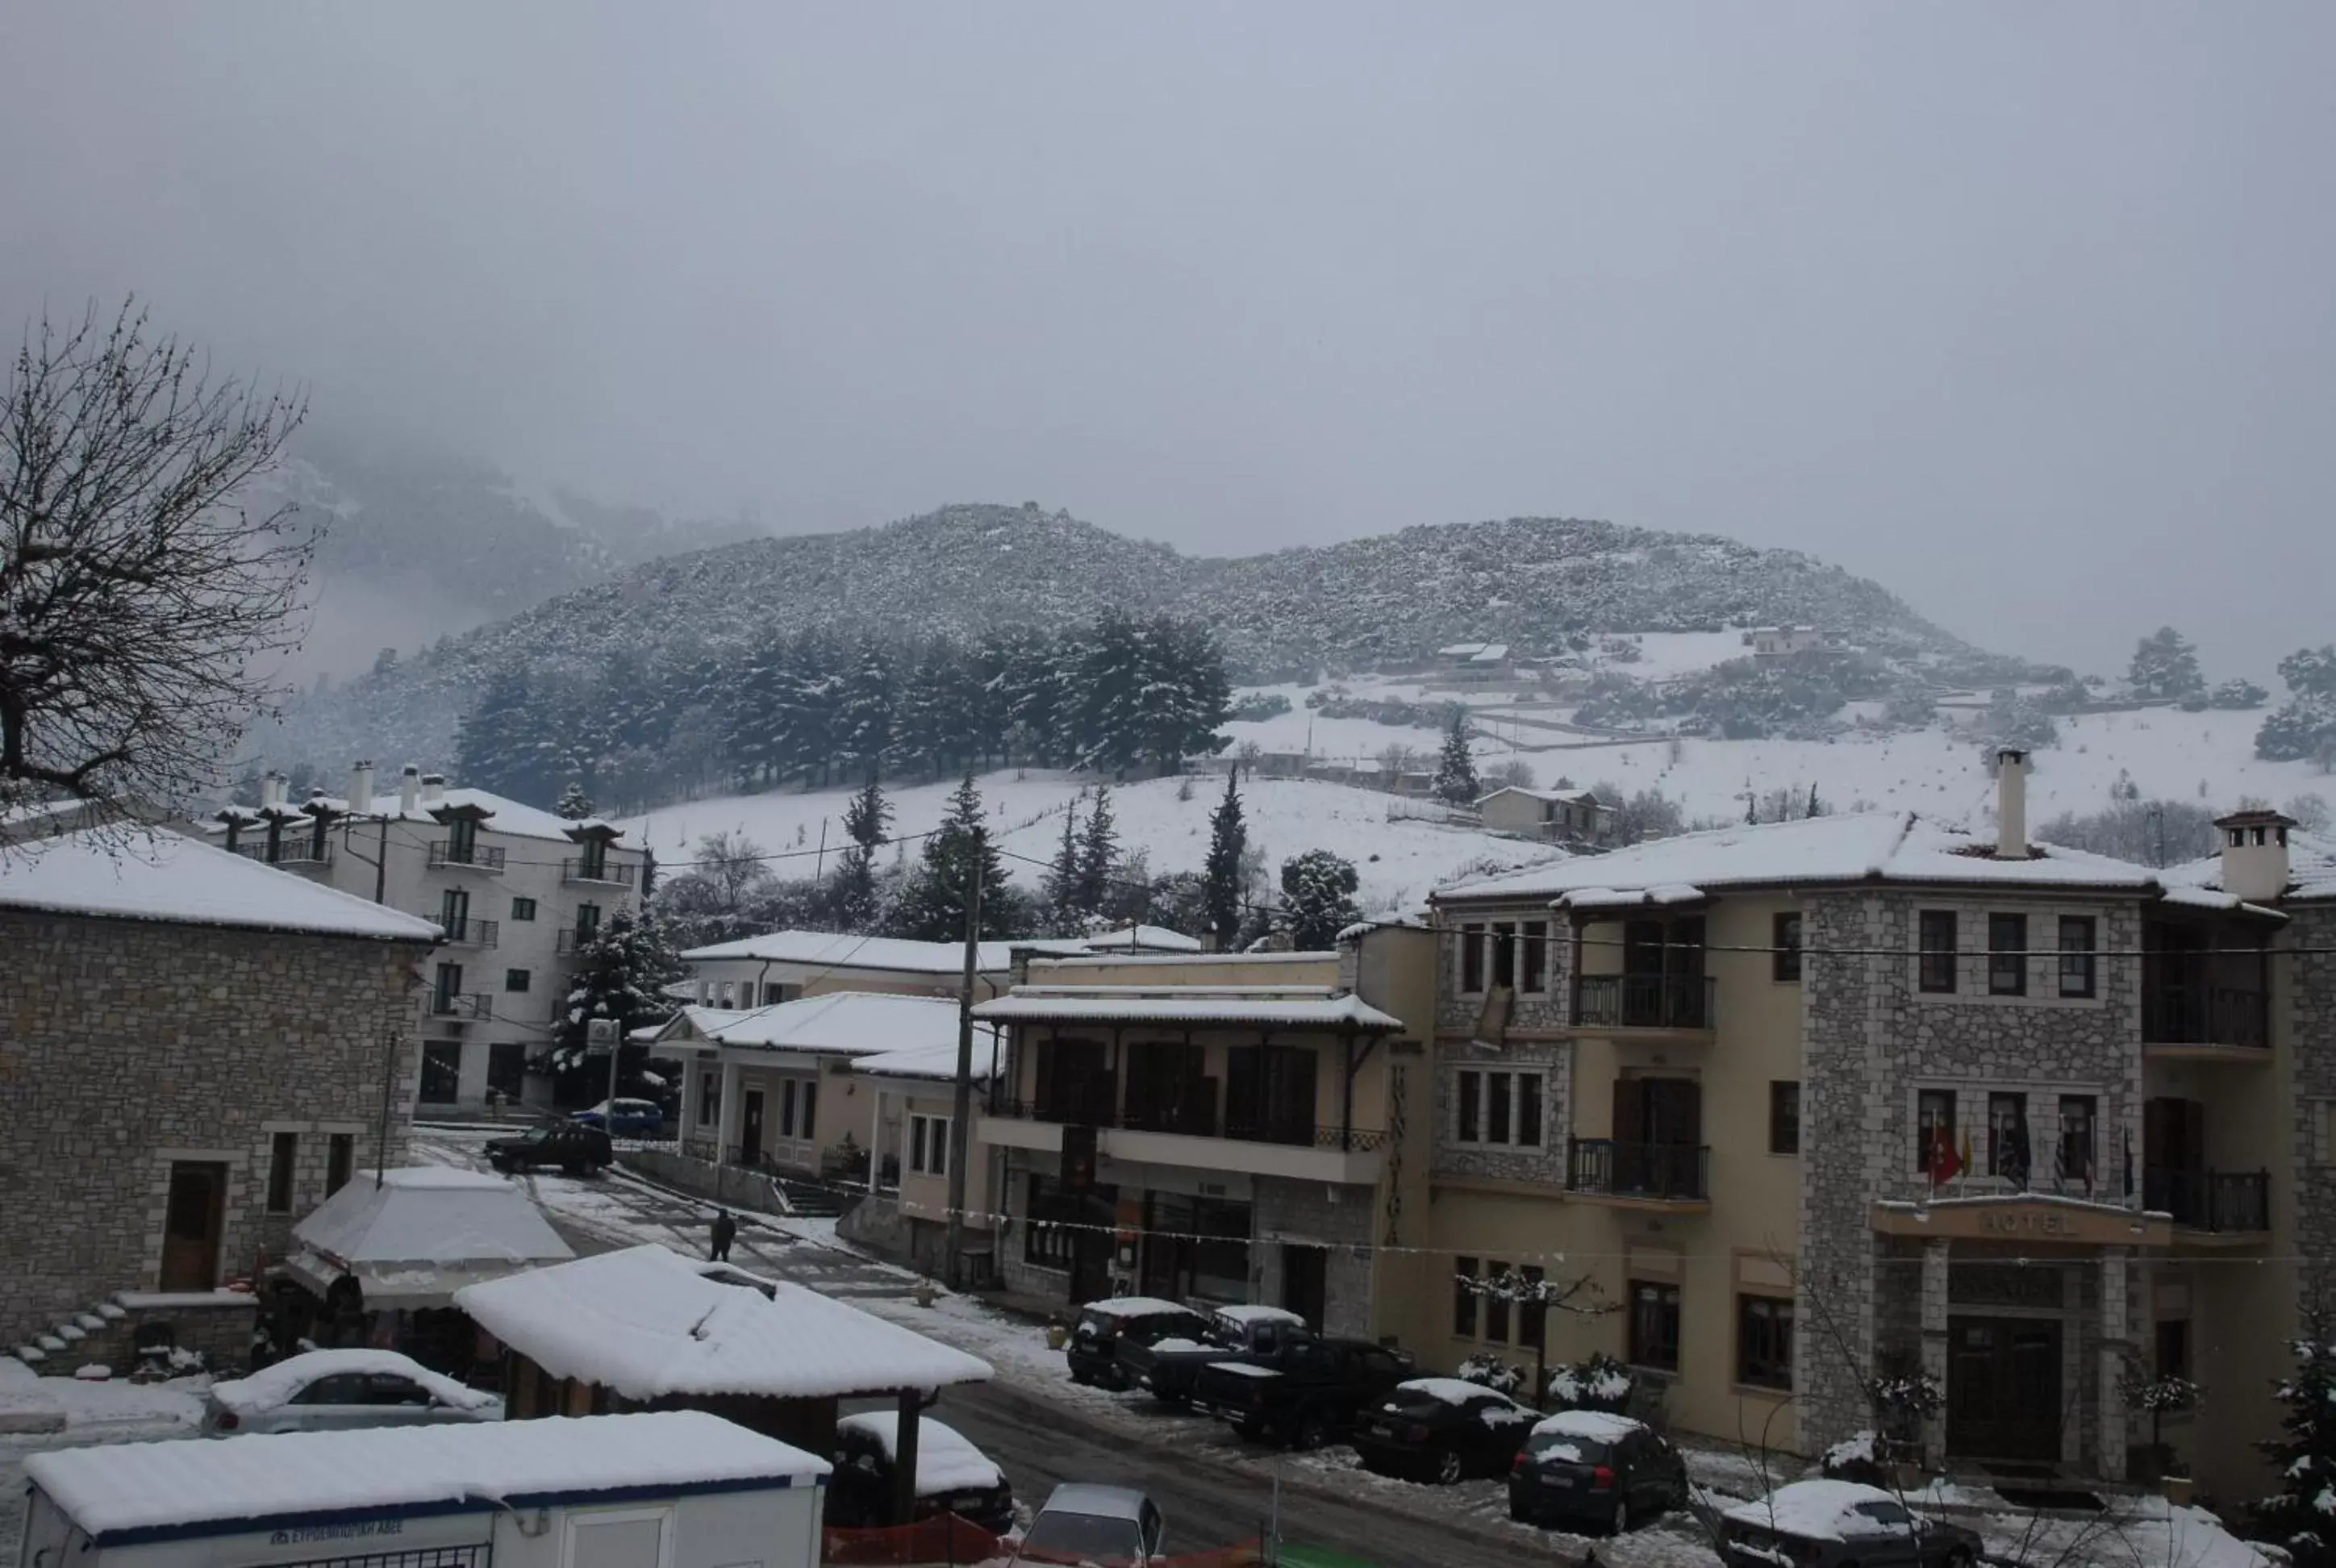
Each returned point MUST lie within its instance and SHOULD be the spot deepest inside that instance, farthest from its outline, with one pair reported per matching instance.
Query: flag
(1943, 1156)
(1963, 1156)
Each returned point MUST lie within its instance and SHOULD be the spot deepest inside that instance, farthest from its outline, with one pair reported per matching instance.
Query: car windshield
(1081, 1538)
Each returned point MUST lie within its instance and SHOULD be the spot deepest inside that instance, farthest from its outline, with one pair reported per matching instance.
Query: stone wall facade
(1459, 1013)
(127, 1045)
(2308, 1005)
(1543, 1165)
(1305, 1214)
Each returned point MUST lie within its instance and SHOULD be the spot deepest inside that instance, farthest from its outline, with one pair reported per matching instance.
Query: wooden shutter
(1630, 1111)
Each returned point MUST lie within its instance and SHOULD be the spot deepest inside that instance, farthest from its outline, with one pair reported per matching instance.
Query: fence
(947, 1542)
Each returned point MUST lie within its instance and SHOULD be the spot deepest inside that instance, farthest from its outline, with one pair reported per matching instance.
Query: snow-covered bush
(2300, 1516)
(1489, 1372)
(1856, 1457)
(1597, 1382)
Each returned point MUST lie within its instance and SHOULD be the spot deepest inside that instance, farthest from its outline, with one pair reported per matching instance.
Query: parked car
(1093, 1349)
(953, 1477)
(324, 1389)
(1169, 1367)
(1115, 1527)
(1839, 1524)
(624, 1118)
(576, 1149)
(1443, 1430)
(1591, 1468)
(1306, 1393)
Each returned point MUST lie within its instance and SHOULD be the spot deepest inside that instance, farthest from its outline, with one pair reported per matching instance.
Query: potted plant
(1597, 1382)
(1902, 1403)
(1058, 1333)
(1490, 1372)
(2162, 1394)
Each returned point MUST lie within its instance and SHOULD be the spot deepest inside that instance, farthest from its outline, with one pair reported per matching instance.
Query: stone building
(196, 1049)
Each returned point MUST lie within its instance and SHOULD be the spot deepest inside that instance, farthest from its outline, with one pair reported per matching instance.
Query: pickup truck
(1305, 1394)
(1169, 1367)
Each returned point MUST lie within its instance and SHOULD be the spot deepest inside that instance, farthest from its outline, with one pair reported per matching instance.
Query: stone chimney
(2010, 805)
(2254, 855)
(361, 788)
(433, 789)
(273, 787)
(409, 790)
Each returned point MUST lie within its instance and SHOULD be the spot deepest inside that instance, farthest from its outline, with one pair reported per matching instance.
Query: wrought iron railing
(472, 933)
(608, 871)
(1239, 1127)
(1676, 1172)
(303, 850)
(1645, 1003)
(472, 857)
(2205, 1015)
(2221, 1201)
(461, 1006)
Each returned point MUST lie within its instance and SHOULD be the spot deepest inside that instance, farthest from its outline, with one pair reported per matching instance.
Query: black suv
(576, 1149)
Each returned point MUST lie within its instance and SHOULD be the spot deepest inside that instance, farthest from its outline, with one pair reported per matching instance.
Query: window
(454, 914)
(441, 1071)
(774, 993)
(340, 1158)
(1935, 1123)
(1529, 1110)
(2173, 1341)
(1764, 1341)
(522, 909)
(1471, 1102)
(1472, 959)
(710, 1098)
(463, 841)
(1464, 1300)
(507, 1070)
(1785, 938)
(1654, 1337)
(1504, 955)
(2077, 949)
(2076, 1153)
(2007, 955)
(1533, 1317)
(587, 922)
(1047, 1240)
(1496, 1308)
(283, 1150)
(929, 1140)
(1498, 1108)
(517, 979)
(1784, 1116)
(445, 987)
(810, 1128)
(1533, 967)
(1938, 950)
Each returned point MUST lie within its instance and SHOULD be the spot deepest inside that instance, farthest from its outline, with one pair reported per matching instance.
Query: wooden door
(750, 1129)
(192, 1220)
(2003, 1389)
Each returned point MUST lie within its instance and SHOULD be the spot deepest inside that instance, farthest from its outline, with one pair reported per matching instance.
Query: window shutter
(1630, 1111)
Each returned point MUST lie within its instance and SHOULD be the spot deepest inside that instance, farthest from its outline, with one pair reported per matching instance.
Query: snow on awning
(1277, 1008)
(646, 1324)
(420, 1235)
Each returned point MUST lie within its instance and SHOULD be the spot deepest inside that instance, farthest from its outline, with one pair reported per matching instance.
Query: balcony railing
(1644, 1002)
(302, 852)
(605, 871)
(2221, 1201)
(1241, 1125)
(571, 942)
(2205, 1015)
(1679, 1172)
(470, 933)
(463, 1007)
(475, 857)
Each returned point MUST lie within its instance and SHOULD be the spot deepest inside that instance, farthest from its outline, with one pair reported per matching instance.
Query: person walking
(726, 1231)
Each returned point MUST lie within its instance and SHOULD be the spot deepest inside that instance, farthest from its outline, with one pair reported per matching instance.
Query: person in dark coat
(726, 1231)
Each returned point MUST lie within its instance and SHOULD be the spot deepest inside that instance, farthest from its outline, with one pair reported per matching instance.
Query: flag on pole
(1944, 1165)
(1964, 1155)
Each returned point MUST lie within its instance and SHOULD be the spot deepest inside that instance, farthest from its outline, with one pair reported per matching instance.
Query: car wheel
(1310, 1431)
(1959, 1557)
(1622, 1525)
(1448, 1468)
(1248, 1431)
(1517, 1513)
(1079, 1377)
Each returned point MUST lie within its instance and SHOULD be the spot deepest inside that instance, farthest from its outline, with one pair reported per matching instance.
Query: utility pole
(961, 1137)
(388, 1088)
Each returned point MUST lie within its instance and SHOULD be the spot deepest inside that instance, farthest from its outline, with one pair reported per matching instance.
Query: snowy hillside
(1398, 861)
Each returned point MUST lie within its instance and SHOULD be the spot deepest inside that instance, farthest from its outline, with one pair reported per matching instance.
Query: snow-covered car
(1596, 1468)
(1092, 1352)
(1839, 1524)
(324, 1389)
(1112, 1526)
(953, 1477)
(1443, 1430)
(624, 1118)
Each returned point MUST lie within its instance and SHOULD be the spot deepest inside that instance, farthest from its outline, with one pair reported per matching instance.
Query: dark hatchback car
(577, 1150)
(1093, 1349)
(1587, 1467)
(1443, 1430)
(1839, 1524)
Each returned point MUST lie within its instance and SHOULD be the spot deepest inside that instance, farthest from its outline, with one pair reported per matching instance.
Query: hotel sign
(2023, 1219)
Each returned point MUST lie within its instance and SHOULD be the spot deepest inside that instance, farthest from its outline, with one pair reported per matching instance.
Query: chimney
(272, 788)
(361, 788)
(2010, 805)
(2254, 855)
(409, 790)
(433, 789)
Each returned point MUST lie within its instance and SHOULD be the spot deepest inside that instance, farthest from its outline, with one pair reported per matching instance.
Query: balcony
(466, 932)
(598, 873)
(463, 1007)
(301, 854)
(446, 855)
(1257, 1144)
(2203, 1021)
(1639, 1172)
(2220, 1203)
(570, 941)
(1682, 1004)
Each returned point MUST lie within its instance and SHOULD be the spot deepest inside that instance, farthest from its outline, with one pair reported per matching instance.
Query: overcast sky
(2023, 309)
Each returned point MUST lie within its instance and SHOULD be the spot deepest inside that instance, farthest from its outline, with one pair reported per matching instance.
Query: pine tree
(1455, 769)
(621, 974)
(855, 901)
(575, 805)
(868, 816)
(1228, 843)
(1061, 888)
(1098, 857)
(1318, 899)
(2302, 1515)
(2166, 668)
(932, 907)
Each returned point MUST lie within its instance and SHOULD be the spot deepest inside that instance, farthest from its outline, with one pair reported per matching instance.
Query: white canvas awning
(420, 1234)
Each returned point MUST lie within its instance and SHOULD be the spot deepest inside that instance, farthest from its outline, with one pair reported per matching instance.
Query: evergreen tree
(1318, 899)
(856, 904)
(620, 975)
(2304, 729)
(2302, 1515)
(867, 818)
(1455, 769)
(1228, 843)
(1061, 887)
(932, 906)
(2165, 668)
(1098, 857)
(574, 806)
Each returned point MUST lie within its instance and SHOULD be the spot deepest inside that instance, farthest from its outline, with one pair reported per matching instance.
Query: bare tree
(137, 604)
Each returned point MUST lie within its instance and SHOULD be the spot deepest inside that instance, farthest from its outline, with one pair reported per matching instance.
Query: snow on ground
(107, 1412)
(1398, 861)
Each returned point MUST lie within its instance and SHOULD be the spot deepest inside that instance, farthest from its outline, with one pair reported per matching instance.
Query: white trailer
(669, 1489)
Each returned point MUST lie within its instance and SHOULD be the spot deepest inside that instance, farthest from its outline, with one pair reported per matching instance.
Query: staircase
(86, 1336)
(808, 1200)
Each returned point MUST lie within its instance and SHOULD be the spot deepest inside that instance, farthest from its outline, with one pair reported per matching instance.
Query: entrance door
(750, 1129)
(191, 1223)
(1092, 1244)
(1305, 1281)
(2003, 1389)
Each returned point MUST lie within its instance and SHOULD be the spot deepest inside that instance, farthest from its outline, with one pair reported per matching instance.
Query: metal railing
(471, 933)
(571, 942)
(472, 1005)
(2222, 1201)
(1645, 1001)
(2205, 1015)
(1678, 1171)
(303, 850)
(582, 870)
(1241, 1125)
(476, 857)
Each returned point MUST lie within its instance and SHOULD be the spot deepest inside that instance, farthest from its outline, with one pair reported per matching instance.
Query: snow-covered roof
(167, 876)
(934, 1061)
(1257, 1312)
(1592, 1425)
(1555, 797)
(1316, 1007)
(946, 1461)
(861, 1024)
(1143, 939)
(423, 1234)
(1811, 1509)
(1853, 847)
(1444, 1390)
(114, 1490)
(1461, 651)
(1491, 653)
(645, 1323)
(502, 813)
(826, 949)
(1133, 1307)
(2310, 868)
(276, 1384)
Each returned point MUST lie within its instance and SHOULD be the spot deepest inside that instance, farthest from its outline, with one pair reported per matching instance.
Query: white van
(670, 1489)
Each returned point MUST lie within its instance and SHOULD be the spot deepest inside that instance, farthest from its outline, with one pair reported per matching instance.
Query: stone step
(112, 1310)
(51, 1343)
(31, 1355)
(89, 1323)
(72, 1333)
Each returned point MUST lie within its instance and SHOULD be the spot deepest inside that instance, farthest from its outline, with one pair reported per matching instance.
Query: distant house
(1775, 641)
(1475, 660)
(1556, 816)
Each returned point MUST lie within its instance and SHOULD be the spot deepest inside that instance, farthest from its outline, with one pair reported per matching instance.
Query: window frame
(522, 909)
(1472, 959)
(1934, 959)
(928, 1143)
(1500, 1109)
(283, 1162)
(340, 1161)
(2007, 966)
(2177, 1331)
(1514, 1093)
(1999, 1145)
(1495, 1308)
(1773, 1371)
(1465, 1315)
(1504, 976)
(525, 979)
(2065, 1143)
(1668, 1314)
(1532, 958)
(1926, 1125)
(2080, 963)
(1784, 1130)
(1784, 946)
